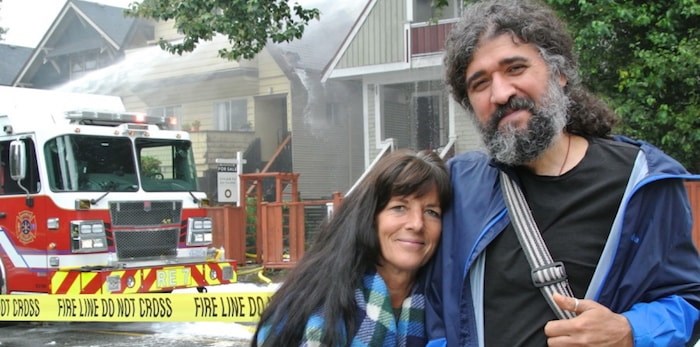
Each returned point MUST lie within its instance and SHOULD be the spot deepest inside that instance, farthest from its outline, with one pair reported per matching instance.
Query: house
(84, 37)
(13, 58)
(395, 50)
(274, 108)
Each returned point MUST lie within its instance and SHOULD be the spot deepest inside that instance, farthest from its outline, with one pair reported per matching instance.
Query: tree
(150, 166)
(248, 24)
(642, 58)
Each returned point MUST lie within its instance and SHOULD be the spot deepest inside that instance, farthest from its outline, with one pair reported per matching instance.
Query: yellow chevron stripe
(85, 278)
(58, 280)
(163, 278)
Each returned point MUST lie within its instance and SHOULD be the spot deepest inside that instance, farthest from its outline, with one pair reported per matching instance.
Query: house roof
(13, 58)
(109, 22)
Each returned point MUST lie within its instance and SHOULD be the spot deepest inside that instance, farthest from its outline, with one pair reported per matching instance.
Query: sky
(28, 20)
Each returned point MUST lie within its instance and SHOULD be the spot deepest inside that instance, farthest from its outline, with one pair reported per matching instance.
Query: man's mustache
(514, 104)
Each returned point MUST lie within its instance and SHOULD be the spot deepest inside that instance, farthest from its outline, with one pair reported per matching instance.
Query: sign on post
(227, 182)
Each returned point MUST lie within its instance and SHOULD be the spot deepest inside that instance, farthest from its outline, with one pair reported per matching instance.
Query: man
(614, 211)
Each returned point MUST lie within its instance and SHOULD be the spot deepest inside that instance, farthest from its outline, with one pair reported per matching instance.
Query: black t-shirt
(574, 213)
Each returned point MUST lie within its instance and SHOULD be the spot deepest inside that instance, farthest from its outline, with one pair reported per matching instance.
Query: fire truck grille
(144, 244)
(145, 213)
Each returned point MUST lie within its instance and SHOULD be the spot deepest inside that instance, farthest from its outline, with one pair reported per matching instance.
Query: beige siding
(203, 111)
(196, 98)
(152, 63)
(166, 30)
(273, 81)
(271, 78)
(381, 38)
(133, 103)
(208, 146)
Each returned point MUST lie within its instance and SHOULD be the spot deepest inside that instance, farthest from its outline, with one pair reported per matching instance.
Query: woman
(369, 253)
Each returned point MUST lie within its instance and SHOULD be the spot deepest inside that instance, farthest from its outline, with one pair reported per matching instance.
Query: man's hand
(595, 325)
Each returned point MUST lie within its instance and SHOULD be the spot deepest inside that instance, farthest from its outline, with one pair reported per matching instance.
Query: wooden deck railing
(282, 229)
(229, 223)
(429, 38)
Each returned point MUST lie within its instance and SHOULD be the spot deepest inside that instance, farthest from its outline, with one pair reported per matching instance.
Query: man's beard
(512, 146)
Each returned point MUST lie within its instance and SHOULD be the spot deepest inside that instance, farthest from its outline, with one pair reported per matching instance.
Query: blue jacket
(649, 270)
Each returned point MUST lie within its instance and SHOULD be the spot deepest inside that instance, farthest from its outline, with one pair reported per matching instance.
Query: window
(415, 114)
(168, 111)
(85, 62)
(166, 165)
(423, 11)
(231, 115)
(90, 163)
(430, 124)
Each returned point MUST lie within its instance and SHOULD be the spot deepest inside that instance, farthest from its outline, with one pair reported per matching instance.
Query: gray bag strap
(547, 275)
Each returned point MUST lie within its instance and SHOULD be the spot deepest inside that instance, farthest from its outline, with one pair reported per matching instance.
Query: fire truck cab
(94, 199)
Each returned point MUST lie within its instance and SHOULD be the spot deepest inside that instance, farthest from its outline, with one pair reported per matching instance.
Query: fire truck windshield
(88, 163)
(166, 165)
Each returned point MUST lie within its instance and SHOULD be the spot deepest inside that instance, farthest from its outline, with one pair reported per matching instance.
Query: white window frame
(231, 114)
(168, 111)
(451, 11)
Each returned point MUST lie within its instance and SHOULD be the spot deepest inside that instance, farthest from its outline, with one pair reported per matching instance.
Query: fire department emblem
(26, 227)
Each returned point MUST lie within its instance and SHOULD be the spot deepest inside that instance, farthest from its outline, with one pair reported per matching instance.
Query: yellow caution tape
(199, 307)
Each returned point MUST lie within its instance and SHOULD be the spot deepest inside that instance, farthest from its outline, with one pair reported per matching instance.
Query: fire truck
(97, 200)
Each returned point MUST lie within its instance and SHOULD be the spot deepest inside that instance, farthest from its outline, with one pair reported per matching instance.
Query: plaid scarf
(378, 326)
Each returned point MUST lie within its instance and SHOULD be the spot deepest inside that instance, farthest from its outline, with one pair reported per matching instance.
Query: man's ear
(562, 80)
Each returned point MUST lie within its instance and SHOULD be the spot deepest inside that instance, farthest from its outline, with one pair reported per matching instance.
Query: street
(209, 334)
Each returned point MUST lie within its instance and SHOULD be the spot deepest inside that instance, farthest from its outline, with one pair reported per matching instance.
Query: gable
(85, 36)
(380, 40)
(377, 38)
(110, 20)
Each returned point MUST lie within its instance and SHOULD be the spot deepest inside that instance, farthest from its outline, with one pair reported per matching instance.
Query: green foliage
(251, 212)
(150, 166)
(643, 58)
(248, 24)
